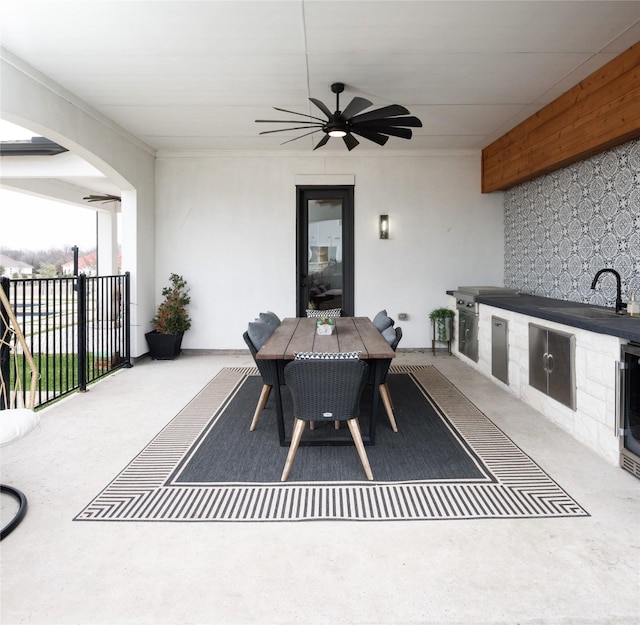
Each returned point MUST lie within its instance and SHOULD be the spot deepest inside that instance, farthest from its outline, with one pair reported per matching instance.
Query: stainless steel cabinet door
(552, 363)
(468, 335)
(500, 349)
(560, 369)
(538, 357)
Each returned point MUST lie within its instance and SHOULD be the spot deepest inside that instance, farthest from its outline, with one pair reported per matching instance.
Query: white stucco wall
(227, 223)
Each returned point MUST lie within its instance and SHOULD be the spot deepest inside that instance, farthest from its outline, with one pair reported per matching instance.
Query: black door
(325, 249)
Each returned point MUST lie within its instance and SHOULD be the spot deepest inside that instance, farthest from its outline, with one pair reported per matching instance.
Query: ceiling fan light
(336, 128)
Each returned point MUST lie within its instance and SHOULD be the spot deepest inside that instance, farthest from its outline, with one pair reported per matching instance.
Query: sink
(588, 313)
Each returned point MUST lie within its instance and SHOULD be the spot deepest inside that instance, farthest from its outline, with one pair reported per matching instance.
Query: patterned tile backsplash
(562, 227)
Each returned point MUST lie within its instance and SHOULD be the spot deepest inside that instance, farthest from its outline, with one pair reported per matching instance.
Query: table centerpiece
(325, 326)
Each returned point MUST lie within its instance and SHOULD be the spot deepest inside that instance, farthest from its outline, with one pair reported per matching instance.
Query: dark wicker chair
(326, 390)
(384, 389)
(267, 380)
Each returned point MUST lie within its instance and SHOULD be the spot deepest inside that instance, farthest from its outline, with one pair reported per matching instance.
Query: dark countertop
(623, 326)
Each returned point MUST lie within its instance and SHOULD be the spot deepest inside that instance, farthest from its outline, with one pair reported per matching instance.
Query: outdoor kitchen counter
(623, 326)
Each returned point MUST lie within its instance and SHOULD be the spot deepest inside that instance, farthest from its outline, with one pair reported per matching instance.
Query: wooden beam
(599, 113)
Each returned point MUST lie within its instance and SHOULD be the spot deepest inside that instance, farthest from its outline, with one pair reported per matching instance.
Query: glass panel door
(631, 411)
(325, 249)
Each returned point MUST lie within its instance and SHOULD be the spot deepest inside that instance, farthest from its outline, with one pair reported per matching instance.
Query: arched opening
(53, 201)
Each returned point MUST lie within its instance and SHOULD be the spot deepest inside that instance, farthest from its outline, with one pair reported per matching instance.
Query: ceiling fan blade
(296, 113)
(287, 121)
(414, 122)
(306, 134)
(322, 107)
(356, 106)
(372, 135)
(386, 111)
(350, 141)
(322, 142)
(268, 132)
(403, 133)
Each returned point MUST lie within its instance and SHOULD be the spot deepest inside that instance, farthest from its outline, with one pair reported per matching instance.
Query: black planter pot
(164, 346)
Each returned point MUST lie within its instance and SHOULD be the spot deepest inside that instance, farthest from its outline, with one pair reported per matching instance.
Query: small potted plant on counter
(171, 320)
(441, 318)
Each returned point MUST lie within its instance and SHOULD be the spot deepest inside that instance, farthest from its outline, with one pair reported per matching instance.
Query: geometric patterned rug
(512, 486)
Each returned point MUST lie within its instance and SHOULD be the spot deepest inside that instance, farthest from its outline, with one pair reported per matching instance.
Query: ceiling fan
(377, 125)
(102, 198)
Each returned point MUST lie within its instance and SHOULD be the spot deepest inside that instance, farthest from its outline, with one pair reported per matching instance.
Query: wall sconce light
(384, 226)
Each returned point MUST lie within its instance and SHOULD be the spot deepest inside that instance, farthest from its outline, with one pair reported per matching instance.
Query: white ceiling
(192, 75)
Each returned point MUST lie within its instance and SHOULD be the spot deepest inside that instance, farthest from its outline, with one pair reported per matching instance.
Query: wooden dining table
(351, 334)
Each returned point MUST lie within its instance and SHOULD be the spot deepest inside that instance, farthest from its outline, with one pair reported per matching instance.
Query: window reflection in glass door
(324, 276)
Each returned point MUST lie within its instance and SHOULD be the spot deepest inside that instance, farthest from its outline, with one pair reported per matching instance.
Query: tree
(47, 270)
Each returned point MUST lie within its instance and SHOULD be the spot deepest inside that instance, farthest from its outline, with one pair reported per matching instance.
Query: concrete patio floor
(569, 571)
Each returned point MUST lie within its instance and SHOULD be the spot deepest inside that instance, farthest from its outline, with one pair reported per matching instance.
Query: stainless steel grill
(467, 306)
(466, 296)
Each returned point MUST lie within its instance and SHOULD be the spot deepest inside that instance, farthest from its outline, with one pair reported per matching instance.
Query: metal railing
(77, 328)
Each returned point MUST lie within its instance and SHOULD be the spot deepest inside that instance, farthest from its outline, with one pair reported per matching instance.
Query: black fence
(77, 329)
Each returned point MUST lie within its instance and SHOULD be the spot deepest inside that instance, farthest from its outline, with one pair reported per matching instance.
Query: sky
(32, 223)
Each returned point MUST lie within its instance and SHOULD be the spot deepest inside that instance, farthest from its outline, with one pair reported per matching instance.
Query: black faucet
(620, 305)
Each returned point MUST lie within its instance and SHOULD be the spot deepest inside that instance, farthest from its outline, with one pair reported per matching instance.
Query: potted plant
(441, 320)
(171, 320)
(325, 325)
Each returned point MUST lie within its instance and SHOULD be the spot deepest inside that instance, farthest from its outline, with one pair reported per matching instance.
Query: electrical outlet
(403, 316)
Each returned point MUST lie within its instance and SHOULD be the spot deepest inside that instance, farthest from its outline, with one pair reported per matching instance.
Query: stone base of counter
(593, 421)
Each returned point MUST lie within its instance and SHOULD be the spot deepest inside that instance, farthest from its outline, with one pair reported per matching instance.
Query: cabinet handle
(545, 362)
(618, 425)
(550, 363)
